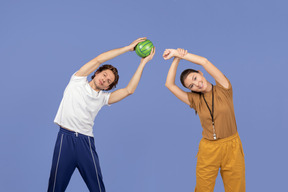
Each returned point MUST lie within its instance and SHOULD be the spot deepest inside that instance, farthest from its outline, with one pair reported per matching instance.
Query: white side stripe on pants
(58, 162)
(94, 164)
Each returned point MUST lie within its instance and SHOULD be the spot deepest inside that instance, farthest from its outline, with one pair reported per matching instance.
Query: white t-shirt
(80, 105)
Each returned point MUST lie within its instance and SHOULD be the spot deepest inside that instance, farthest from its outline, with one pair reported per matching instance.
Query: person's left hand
(181, 52)
(149, 57)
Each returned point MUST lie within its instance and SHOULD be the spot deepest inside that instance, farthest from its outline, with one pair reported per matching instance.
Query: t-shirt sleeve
(106, 96)
(191, 98)
(76, 79)
(228, 90)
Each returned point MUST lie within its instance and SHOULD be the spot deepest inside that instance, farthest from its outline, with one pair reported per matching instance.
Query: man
(81, 102)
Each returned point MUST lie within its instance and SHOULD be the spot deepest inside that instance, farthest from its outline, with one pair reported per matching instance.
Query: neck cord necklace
(211, 112)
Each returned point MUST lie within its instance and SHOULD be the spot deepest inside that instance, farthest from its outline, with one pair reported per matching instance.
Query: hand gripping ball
(143, 49)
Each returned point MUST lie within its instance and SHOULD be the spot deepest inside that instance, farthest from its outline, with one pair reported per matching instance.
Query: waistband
(72, 133)
(232, 137)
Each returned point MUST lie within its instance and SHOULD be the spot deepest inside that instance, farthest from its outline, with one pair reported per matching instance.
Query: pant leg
(208, 164)
(63, 163)
(233, 166)
(88, 164)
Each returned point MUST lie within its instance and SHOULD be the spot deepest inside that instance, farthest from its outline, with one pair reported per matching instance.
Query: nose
(195, 83)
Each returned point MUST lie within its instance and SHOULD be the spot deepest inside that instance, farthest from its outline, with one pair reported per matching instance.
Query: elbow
(205, 61)
(168, 85)
(130, 92)
(98, 61)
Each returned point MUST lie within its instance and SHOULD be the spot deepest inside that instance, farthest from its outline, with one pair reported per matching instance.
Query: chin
(197, 91)
(204, 87)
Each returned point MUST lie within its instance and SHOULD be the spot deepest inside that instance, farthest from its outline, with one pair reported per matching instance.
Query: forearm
(208, 66)
(92, 65)
(120, 94)
(199, 60)
(111, 54)
(170, 80)
(132, 85)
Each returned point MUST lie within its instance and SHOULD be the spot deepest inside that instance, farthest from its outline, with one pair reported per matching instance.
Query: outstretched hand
(149, 57)
(134, 43)
(169, 53)
(181, 52)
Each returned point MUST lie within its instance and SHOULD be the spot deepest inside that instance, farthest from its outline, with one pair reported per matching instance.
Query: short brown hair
(114, 71)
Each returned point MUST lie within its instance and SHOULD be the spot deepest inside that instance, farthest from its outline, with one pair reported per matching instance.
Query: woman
(220, 146)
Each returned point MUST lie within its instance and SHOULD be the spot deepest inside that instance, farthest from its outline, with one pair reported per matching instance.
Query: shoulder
(105, 94)
(75, 78)
(194, 99)
(222, 87)
(226, 91)
(105, 97)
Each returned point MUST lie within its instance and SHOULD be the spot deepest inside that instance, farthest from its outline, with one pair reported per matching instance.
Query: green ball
(143, 49)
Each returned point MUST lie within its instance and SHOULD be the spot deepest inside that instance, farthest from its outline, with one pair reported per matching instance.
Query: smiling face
(103, 80)
(196, 82)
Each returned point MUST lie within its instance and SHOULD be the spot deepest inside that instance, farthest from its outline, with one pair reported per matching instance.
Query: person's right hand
(169, 53)
(134, 43)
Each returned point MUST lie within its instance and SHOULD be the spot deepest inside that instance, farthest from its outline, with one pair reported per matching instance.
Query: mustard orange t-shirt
(224, 116)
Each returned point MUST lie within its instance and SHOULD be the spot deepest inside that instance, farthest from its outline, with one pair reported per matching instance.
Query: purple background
(147, 142)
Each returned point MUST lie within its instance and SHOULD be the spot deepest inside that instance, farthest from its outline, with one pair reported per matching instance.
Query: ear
(200, 72)
(95, 74)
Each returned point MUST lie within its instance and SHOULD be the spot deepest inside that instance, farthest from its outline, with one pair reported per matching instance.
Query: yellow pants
(226, 154)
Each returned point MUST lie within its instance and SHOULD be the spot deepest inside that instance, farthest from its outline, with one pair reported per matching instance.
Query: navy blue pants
(74, 150)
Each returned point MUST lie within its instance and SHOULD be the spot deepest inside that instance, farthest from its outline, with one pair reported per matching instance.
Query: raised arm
(120, 94)
(170, 80)
(208, 66)
(92, 65)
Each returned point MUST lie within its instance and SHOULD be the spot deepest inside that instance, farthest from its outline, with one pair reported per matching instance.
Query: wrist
(127, 48)
(143, 62)
(175, 54)
(179, 56)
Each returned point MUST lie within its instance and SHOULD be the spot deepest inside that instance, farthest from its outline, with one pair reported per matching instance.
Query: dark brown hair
(184, 75)
(114, 71)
